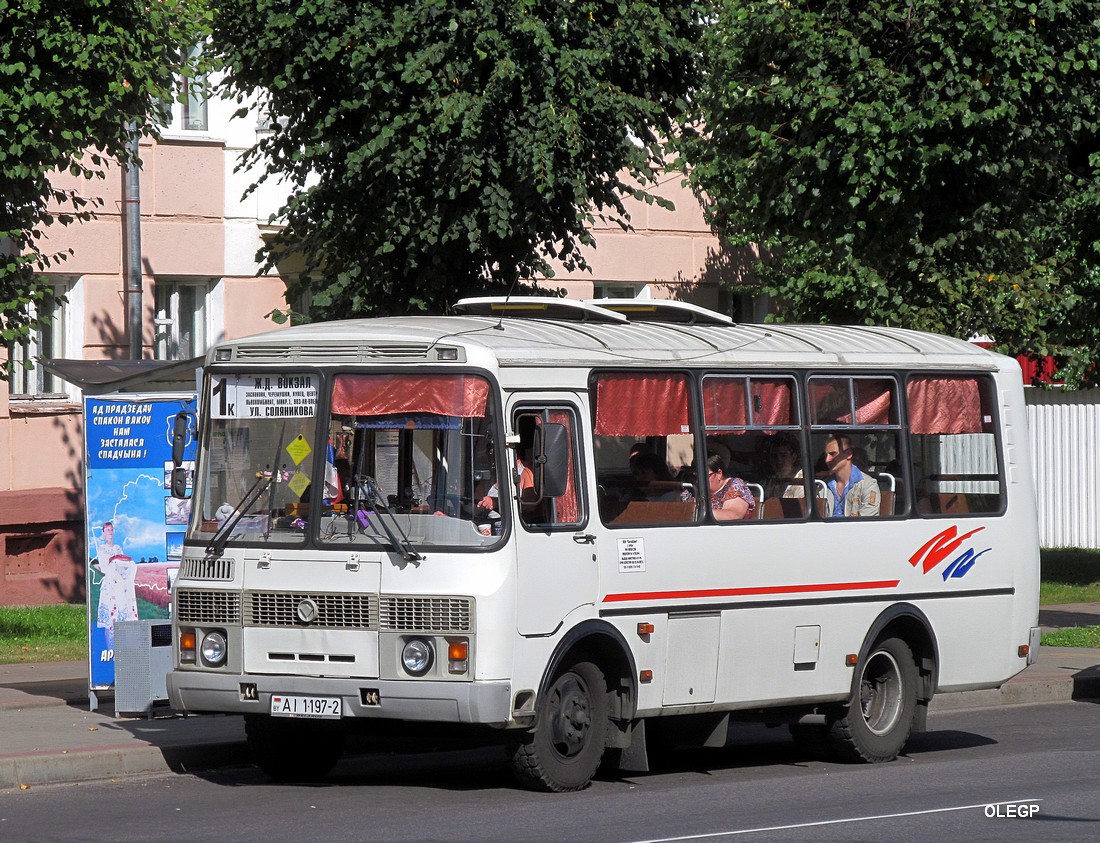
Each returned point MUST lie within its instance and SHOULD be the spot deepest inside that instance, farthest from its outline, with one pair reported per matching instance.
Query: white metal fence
(1064, 430)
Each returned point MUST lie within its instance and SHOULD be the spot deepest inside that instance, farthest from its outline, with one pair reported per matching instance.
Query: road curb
(85, 765)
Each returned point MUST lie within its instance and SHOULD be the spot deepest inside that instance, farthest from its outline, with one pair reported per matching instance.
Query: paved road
(759, 787)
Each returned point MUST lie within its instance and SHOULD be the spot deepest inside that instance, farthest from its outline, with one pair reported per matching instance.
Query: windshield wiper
(263, 481)
(374, 497)
(218, 542)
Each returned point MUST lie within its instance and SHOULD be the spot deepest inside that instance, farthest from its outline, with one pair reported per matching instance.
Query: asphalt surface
(49, 735)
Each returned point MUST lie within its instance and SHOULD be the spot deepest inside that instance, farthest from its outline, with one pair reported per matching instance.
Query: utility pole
(131, 248)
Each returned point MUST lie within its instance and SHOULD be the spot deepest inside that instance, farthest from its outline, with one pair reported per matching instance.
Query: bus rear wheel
(877, 724)
(293, 750)
(564, 749)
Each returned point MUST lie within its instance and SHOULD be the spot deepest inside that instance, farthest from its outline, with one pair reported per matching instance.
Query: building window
(181, 319)
(618, 291)
(189, 113)
(47, 341)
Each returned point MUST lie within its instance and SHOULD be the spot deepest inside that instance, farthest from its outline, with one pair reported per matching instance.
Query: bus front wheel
(292, 750)
(879, 719)
(564, 749)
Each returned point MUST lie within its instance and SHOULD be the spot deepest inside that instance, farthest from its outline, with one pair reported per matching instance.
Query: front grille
(207, 607)
(426, 614)
(334, 611)
(206, 569)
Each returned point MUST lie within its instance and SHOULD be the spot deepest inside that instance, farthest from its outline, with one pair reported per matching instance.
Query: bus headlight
(213, 649)
(417, 656)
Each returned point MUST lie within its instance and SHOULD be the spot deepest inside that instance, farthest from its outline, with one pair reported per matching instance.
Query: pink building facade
(200, 286)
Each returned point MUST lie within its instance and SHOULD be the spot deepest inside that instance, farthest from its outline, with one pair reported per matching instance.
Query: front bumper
(486, 703)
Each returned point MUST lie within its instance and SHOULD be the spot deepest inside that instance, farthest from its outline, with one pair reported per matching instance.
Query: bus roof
(541, 332)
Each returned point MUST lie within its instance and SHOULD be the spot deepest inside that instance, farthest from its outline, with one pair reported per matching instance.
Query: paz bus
(436, 520)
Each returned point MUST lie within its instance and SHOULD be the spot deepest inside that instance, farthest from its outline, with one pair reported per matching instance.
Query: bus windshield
(405, 460)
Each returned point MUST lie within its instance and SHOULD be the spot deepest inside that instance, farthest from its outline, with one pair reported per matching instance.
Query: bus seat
(772, 510)
(951, 502)
(654, 512)
(886, 502)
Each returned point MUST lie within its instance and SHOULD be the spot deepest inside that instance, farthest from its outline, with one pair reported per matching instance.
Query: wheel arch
(599, 642)
(909, 623)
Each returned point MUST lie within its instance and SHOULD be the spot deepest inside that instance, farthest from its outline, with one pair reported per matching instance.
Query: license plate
(324, 708)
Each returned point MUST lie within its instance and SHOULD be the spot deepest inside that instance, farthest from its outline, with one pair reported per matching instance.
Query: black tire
(564, 750)
(877, 724)
(294, 750)
(813, 740)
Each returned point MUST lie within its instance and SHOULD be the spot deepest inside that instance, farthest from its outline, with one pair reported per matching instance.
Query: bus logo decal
(942, 545)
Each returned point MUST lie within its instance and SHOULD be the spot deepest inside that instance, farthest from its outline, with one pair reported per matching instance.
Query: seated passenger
(851, 493)
(785, 466)
(730, 498)
(652, 479)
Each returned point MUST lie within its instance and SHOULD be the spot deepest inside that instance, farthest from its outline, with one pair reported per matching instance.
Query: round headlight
(417, 656)
(213, 649)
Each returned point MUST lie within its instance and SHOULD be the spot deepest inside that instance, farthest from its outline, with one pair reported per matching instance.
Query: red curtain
(944, 405)
(831, 402)
(724, 404)
(376, 395)
(566, 508)
(641, 405)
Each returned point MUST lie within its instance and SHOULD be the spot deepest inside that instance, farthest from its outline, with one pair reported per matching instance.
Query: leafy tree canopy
(930, 163)
(72, 77)
(436, 148)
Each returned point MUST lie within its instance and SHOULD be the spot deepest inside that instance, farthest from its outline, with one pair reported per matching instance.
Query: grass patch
(43, 633)
(1069, 575)
(1077, 636)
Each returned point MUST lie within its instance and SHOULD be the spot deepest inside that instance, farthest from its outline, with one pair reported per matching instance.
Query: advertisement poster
(135, 526)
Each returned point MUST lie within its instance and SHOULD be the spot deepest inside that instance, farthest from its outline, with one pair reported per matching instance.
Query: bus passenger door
(557, 570)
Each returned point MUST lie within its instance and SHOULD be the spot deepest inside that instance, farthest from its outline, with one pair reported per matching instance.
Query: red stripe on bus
(745, 592)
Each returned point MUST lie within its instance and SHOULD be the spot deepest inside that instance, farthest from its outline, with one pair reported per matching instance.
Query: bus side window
(538, 504)
(953, 445)
(857, 442)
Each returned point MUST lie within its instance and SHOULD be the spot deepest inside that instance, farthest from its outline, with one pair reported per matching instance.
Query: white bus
(597, 526)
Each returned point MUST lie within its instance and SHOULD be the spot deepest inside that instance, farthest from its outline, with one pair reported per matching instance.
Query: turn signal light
(187, 646)
(645, 629)
(645, 676)
(458, 651)
(1023, 650)
(851, 660)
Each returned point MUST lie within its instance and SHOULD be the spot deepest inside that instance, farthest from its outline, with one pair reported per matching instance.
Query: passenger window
(560, 511)
(643, 447)
(953, 445)
(754, 445)
(855, 433)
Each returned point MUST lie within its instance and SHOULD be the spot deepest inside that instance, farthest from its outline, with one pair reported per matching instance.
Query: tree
(73, 76)
(436, 148)
(930, 163)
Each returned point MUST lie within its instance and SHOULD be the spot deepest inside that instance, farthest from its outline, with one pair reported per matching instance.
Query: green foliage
(441, 148)
(43, 633)
(1069, 575)
(1076, 636)
(73, 76)
(930, 163)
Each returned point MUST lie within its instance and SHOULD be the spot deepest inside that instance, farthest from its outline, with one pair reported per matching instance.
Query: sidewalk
(48, 735)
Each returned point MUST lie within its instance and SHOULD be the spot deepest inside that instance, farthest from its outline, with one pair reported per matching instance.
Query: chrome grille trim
(203, 606)
(334, 611)
(426, 614)
(207, 569)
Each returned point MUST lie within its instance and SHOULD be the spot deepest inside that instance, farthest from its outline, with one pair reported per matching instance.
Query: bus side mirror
(551, 459)
(181, 428)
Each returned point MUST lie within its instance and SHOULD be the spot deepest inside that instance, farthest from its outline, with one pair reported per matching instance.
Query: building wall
(193, 231)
